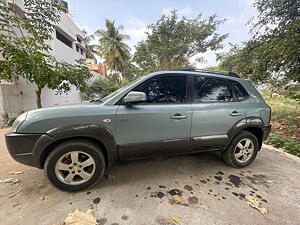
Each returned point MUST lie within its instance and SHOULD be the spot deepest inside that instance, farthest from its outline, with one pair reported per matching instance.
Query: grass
(285, 122)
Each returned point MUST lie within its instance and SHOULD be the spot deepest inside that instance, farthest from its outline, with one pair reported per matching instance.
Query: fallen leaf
(178, 200)
(15, 193)
(80, 218)
(255, 203)
(175, 219)
(109, 176)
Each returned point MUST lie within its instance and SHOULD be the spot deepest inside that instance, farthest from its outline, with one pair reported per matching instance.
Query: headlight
(20, 119)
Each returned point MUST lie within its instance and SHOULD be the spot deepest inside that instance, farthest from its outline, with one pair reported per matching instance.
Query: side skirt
(209, 143)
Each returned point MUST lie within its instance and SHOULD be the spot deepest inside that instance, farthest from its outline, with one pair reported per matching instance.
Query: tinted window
(239, 91)
(164, 89)
(212, 90)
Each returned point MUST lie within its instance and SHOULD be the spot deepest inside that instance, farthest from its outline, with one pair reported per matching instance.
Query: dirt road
(137, 192)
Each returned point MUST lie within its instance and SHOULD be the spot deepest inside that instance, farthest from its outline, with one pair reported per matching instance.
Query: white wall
(19, 96)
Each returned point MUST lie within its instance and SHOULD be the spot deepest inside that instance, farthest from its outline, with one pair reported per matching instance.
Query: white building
(19, 96)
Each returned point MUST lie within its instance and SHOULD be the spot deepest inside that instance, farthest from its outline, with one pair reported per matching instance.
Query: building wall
(19, 96)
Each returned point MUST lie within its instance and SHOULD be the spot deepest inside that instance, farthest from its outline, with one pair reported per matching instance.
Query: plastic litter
(175, 219)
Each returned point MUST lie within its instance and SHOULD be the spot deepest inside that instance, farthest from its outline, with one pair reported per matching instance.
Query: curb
(288, 155)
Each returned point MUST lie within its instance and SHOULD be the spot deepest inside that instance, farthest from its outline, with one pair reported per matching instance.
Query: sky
(135, 15)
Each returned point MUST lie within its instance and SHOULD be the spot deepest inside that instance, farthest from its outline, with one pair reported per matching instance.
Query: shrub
(292, 146)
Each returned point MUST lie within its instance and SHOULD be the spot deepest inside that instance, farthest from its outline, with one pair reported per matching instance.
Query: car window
(212, 90)
(239, 91)
(164, 89)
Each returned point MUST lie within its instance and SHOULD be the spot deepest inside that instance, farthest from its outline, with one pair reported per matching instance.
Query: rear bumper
(267, 131)
(20, 147)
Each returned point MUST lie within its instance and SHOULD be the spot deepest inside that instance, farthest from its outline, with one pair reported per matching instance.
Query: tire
(61, 157)
(230, 156)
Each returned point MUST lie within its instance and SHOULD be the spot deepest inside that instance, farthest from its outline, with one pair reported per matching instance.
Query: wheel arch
(96, 134)
(258, 132)
(254, 125)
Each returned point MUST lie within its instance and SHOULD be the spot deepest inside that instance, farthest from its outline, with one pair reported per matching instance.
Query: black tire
(85, 146)
(228, 155)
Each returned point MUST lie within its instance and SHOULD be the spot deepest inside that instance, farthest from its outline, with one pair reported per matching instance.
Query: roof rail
(219, 72)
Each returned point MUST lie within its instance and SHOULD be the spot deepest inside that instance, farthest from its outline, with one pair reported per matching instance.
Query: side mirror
(135, 97)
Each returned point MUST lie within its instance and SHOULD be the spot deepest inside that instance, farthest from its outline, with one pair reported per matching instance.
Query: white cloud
(238, 30)
(209, 58)
(185, 11)
(136, 29)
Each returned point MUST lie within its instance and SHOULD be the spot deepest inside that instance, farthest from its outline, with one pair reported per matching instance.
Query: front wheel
(242, 151)
(75, 165)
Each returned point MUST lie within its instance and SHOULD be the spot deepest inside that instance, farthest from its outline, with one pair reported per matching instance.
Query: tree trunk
(38, 99)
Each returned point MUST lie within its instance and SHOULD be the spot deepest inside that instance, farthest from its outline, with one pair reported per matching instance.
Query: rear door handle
(235, 113)
(178, 116)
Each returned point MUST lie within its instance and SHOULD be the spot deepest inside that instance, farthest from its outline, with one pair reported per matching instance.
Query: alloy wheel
(75, 167)
(244, 150)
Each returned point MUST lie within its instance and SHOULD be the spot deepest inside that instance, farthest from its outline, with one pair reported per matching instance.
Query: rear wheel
(75, 165)
(242, 151)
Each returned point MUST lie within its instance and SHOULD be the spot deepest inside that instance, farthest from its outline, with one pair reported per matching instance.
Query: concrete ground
(137, 192)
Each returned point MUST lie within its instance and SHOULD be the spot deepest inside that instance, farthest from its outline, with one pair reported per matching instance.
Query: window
(63, 39)
(79, 40)
(165, 89)
(239, 90)
(212, 90)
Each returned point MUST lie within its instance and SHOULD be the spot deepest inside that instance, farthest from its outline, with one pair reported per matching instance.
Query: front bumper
(267, 131)
(20, 147)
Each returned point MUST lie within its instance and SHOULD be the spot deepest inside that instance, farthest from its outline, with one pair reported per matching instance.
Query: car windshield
(119, 90)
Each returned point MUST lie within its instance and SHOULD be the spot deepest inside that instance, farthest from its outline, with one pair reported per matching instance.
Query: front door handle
(178, 116)
(235, 113)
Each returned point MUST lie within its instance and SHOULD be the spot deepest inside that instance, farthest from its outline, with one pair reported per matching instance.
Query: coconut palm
(90, 48)
(112, 48)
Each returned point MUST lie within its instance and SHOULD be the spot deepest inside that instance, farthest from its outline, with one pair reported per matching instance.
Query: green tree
(250, 63)
(112, 47)
(274, 15)
(90, 48)
(131, 72)
(102, 87)
(26, 52)
(278, 31)
(171, 42)
(272, 56)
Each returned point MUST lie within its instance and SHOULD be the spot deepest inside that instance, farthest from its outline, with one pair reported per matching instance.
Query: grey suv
(163, 113)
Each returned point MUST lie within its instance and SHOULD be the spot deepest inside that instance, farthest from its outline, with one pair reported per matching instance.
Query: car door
(215, 111)
(159, 126)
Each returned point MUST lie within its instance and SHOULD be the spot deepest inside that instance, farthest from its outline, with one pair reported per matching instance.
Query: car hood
(45, 119)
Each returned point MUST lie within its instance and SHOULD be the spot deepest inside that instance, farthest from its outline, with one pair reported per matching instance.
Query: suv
(163, 113)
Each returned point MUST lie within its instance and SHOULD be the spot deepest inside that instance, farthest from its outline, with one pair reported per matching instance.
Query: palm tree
(112, 48)
(90, 49)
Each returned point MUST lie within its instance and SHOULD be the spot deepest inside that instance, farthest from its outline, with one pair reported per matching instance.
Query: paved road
(137, 193)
